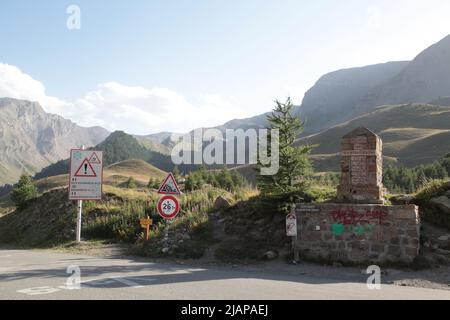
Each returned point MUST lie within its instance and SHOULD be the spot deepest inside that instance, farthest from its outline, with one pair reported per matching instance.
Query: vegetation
(23, 192)
(229, 180)
(295, 168)
(131, 183)
(409, 180)
(118, 147)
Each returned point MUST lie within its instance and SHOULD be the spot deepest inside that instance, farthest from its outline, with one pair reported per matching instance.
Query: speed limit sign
(168, 207)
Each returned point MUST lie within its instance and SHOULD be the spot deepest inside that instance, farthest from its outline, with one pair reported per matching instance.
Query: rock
(165, 250)
(180, 241)
(338, 265)
(221, 203)
(401, 199)
(443, 238)
(443, 203)
(185, 236)
(270, 255)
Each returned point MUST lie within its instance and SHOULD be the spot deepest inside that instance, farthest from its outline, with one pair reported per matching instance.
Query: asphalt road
(43, 275)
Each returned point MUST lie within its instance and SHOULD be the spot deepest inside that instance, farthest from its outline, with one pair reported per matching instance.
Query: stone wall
(358, 233)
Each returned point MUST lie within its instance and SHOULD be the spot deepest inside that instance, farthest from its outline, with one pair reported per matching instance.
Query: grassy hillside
(412, 134)
(49, 220)
(119, 146)
(114, 175)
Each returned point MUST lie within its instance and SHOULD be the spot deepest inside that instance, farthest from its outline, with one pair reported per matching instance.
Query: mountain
(117, 147)
(31, 139)
(412, 134)
(338, 96)
(425, 78)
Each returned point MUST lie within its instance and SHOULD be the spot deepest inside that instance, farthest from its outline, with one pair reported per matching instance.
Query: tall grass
(117, 217)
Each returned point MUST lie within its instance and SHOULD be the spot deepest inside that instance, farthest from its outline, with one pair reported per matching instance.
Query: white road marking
(38, 290)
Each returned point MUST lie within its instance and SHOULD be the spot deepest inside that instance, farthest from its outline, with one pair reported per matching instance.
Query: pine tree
(131, 183)
(295, 167)
(23, 191)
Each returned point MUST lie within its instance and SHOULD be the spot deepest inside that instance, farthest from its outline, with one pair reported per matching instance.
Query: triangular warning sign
(85, 170)
(94, 159)
(169, 186)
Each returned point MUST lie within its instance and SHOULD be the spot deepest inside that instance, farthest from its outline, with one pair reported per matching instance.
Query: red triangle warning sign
(94, 159)
(169, 186)
(85, 170)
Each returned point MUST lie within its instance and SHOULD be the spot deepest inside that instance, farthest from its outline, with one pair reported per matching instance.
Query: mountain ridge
(31, 139)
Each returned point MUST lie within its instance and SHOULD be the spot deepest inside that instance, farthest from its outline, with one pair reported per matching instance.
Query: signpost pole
(295, 249)
(166, 233)
(80, 211)
(147, 230)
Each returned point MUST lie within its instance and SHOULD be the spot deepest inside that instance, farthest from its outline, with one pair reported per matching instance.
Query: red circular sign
(168, 207)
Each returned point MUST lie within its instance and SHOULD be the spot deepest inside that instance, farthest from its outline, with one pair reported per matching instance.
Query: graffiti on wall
(350, 220)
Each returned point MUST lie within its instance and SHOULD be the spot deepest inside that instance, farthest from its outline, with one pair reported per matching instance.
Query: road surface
(43, 275)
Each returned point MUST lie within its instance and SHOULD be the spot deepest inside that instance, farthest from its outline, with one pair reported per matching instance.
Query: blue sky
(145, 66)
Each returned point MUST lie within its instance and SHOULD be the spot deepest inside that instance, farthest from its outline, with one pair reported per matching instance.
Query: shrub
(23, 192)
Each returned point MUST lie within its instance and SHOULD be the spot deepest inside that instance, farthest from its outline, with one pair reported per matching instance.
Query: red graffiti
(350, 216)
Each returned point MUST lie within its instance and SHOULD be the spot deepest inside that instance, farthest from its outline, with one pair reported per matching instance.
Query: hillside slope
(412, 134)
(425, 78)
(338, 96)
(119, 146)
(115, 175)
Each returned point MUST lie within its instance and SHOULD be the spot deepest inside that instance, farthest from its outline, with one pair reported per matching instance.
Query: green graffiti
(337, 229)
(359, 230)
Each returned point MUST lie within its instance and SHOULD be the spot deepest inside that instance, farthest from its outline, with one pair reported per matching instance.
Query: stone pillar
(361, 168)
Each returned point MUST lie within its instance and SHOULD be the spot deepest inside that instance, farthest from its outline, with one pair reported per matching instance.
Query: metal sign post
(85, 179)
(79, 215)
(168, 206)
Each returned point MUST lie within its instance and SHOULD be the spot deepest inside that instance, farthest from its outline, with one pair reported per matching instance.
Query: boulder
(401, 199)
(185, 236)
(221, 203)
(165, 250)
(270, 255)
(443, 203)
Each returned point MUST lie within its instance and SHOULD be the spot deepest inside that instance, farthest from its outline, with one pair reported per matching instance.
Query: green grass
(432, 189)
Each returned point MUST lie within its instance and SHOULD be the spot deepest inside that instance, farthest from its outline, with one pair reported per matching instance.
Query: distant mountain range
(394, 99)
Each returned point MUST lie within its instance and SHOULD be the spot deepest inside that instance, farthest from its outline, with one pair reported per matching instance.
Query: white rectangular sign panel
(86, 175)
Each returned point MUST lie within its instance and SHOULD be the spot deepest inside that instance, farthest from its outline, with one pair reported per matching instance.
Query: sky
(146, 66)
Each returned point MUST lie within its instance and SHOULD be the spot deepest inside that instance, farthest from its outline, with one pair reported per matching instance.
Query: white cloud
(118, 107)
(16, 84)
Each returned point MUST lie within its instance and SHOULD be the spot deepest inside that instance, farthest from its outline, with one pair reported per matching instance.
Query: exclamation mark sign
(85, 168)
